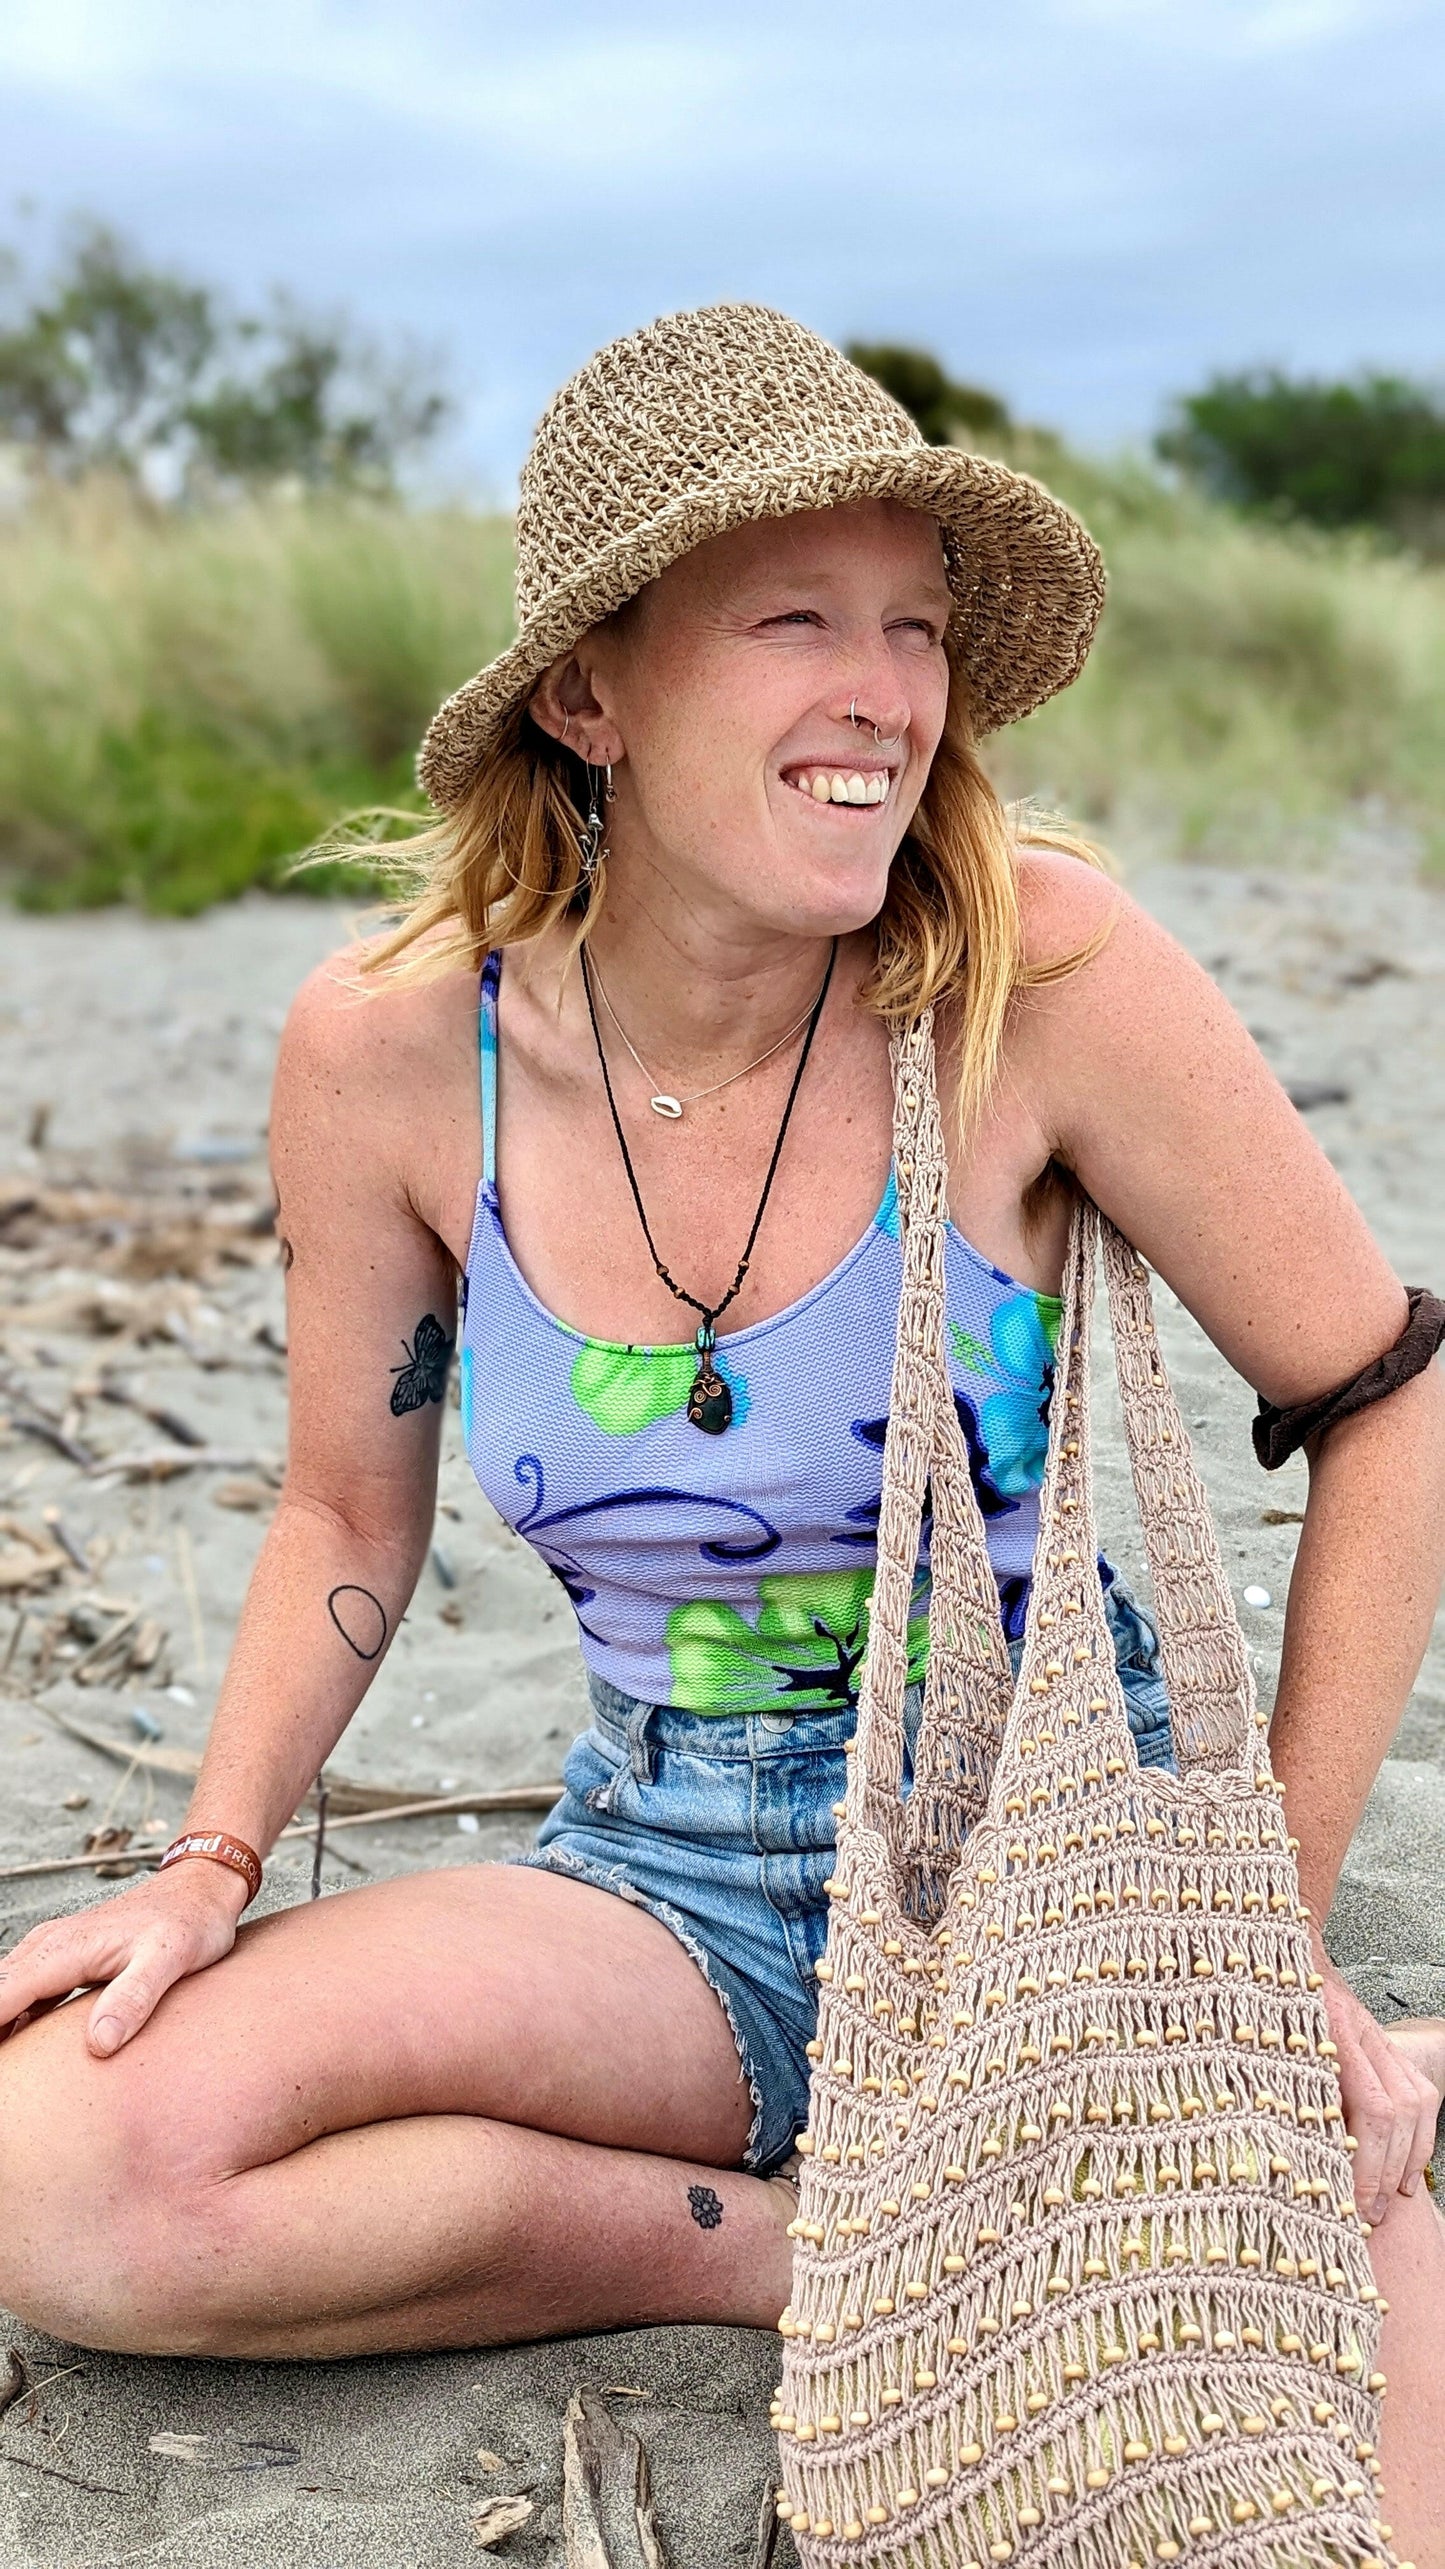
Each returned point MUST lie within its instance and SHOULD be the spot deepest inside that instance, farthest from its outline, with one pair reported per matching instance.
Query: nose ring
(891, 742)
(853, 714)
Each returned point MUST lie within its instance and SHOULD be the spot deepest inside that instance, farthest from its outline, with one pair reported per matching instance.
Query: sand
(137, 1056)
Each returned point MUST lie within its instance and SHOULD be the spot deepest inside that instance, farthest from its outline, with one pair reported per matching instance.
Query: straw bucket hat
(706, 420)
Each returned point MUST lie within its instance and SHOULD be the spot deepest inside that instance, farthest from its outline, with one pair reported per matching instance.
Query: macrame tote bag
(1078, 2275)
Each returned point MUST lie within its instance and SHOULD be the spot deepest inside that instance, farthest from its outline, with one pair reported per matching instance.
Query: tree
(1370, 451)
(98, 367)
(109, 363)
(918, 381)
(319, 409)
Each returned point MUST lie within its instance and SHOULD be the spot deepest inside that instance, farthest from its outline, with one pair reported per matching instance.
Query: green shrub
(187, 701)
(942, 408)
(1365, 453)
(1250, 687)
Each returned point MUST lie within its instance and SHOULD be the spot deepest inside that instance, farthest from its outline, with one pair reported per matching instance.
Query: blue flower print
(1015, 1422)
(1013, 1605)
(992, 1500)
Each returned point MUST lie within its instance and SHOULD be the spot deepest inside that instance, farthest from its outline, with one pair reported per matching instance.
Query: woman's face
(725, 692)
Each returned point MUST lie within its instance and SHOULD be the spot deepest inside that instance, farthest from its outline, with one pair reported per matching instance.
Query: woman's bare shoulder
(1094, 956)
(366, 1029)
(1066, 905)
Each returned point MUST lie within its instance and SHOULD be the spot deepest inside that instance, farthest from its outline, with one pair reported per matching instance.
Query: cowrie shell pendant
(671, 1107)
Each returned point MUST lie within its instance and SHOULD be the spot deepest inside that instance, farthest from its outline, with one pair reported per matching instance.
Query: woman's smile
(849, 787)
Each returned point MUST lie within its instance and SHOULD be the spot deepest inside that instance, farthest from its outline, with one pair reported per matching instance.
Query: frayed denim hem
(614, 1878)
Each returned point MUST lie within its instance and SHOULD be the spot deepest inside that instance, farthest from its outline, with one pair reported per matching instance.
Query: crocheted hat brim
(1027, 582)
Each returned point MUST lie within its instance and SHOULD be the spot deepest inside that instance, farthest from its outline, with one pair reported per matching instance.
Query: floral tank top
(733, 1573)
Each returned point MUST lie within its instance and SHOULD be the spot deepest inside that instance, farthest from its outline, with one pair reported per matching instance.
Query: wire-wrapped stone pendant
(709, 1403)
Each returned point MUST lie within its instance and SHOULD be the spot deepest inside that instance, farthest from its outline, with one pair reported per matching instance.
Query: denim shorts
(722, 1825)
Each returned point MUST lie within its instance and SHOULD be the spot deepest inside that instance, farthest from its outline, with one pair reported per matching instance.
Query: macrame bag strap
(921, 1176)
(1206, 1665)
(1207, 1669)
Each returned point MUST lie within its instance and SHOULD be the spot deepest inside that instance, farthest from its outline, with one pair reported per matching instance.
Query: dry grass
(187, 701)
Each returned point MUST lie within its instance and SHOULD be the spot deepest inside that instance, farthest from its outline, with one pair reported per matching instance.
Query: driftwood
(496, 2518)
(608, 2519)
(769, 2528)
(162, 1462)
(135, 1858)
(344, 1795)
(32, 1418)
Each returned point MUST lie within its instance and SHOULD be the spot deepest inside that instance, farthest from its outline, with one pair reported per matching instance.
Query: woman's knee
(103, 2219)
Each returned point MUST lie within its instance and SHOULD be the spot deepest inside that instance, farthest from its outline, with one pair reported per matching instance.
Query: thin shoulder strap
(488, 992)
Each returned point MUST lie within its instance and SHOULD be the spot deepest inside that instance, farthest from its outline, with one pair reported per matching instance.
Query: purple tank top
(733, 1573)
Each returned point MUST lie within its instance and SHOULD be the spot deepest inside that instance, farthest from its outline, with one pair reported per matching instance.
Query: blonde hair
(505, 866)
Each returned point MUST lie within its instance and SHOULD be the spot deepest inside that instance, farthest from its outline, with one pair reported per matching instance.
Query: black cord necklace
(709, 1403)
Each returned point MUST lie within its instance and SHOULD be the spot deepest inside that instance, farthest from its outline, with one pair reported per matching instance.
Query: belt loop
(639, 1749)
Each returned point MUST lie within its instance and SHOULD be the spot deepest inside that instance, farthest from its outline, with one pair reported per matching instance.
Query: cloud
(1085, 203)
(1240, 28)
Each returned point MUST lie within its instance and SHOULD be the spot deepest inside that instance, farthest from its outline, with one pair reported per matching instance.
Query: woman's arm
(371, 1311)
(1143, 1080)
(371, 1319)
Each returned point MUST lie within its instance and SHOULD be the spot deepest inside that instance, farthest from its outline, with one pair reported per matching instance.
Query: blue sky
(1084, 204)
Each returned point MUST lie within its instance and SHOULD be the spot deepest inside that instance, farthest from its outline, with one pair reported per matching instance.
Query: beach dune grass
(190, 699)
(187, 701)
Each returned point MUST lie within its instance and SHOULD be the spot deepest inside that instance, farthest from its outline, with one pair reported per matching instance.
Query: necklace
(709, 1403)
(662, 1102)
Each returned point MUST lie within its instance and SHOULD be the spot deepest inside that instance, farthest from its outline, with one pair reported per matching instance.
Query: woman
(761, 626)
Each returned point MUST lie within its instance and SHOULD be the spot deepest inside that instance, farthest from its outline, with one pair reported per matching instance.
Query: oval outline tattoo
(347, 1588)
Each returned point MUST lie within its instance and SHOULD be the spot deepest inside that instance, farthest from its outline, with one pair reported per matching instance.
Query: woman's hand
(139, 1944)
(1390, 2106)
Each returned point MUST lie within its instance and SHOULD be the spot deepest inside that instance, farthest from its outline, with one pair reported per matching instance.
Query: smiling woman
(710, 834)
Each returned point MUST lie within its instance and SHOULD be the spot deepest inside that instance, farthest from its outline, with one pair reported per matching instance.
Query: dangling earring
(592, 837)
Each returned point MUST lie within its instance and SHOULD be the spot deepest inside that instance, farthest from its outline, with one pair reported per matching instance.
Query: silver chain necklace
(662, 1101)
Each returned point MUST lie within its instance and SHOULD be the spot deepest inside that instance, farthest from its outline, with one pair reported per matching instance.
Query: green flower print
(625, 1389)
(803, 1654)
(969, 1353)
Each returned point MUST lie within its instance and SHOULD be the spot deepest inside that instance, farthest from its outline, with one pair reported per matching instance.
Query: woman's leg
(456, 2108)
(1407, 2251)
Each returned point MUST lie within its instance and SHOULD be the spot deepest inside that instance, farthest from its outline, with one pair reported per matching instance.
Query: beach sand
(135, 1058)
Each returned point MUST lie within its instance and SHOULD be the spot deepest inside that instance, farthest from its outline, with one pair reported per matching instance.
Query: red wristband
(218, 1849)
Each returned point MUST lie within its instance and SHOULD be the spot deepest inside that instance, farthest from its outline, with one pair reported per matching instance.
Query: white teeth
(833, 788)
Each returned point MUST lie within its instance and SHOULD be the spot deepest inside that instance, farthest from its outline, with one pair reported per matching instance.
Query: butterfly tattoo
(424, 1375)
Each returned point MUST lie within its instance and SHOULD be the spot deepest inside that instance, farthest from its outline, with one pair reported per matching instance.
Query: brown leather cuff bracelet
(1278, 1433)
(217, 1848)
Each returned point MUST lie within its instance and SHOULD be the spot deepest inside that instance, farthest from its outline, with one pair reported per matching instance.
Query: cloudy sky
(1084, 204)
